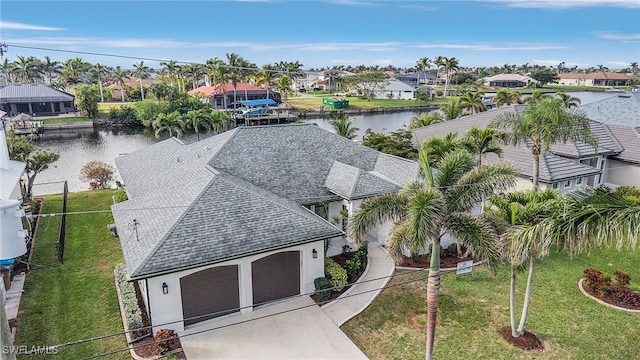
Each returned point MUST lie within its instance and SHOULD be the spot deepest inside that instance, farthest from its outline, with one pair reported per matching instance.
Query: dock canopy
(258, 102)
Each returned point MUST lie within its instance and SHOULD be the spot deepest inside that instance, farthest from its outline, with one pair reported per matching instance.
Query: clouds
(566, 4)
(614, 35)
(8, 25)
(495, 47)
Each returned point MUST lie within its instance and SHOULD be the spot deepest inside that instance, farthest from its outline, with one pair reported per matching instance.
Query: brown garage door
(276, 276)
(212, 292)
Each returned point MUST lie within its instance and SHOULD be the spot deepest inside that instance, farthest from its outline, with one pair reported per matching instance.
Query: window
(567, 184)
(555, 185)
(320, 210)
(578, 181)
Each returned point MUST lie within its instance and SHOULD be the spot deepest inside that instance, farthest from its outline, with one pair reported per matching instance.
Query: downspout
(146, 287)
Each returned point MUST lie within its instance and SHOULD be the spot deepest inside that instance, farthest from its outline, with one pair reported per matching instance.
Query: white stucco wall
(166, 309)
(621, 173)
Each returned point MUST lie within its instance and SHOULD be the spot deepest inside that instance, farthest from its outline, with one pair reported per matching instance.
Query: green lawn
(472, 308)
(66, 120)
(77, 300)
(312, 104)
(573, 88)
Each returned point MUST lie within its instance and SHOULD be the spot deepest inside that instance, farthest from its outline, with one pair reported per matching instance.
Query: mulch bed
(528, 340)
(620, 296)
(448, 259)
(341, 259)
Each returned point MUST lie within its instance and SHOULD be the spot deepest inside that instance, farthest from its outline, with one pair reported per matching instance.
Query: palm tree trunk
(433, 296)
(512, 302)
(527, 297)
(122, 92)
(141, 89)
(536, 166)
(101, 90)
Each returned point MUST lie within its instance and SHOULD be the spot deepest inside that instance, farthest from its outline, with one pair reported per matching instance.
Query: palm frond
(479, 183)
(377, 210)
(452, 167)
(477, 234)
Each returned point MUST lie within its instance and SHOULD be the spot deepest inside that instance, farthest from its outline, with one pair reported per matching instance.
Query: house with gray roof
(240, 219)
(564, 167)
(35, 100)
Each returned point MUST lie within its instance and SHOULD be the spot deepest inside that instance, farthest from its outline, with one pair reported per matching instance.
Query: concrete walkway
(380, 267)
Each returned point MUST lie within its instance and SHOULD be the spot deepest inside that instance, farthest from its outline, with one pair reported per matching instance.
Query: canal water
(80, 146)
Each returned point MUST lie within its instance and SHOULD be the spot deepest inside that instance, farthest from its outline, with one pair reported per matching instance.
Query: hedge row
(133, 315)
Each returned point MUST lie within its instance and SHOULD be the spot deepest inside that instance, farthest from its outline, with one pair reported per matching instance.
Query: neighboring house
(239, 219)
(395, 89)
(509, 81)
(130, 84)
(243, 91)
(35, 100)
(416, 79)
(595, 79)
(621, 113)
(563, 167)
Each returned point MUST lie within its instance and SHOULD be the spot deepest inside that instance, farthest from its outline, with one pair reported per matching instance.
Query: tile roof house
(239, 219)
(564, 167)
(243, 91)
(35, 99)
(595, 79)
(509, 80)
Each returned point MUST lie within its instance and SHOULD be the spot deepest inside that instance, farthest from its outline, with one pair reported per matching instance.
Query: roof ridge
(356, 179)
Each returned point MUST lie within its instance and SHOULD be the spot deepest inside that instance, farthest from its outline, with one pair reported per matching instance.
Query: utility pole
(3, 49)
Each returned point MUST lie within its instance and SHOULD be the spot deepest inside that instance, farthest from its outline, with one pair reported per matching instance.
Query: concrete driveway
(307, 333)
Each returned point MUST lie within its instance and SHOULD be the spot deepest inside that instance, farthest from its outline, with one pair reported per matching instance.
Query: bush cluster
(358, 262)
(335, 273)
(133, 315)
(601, 285)
(166, 340)
(125, 115)
(323, 289)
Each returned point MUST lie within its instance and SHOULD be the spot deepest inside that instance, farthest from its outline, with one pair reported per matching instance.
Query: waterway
(78, 147)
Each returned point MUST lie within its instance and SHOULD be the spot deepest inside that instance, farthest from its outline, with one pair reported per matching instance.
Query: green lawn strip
(76, 300)
(66, 120)
(313, 104)
(473, 307)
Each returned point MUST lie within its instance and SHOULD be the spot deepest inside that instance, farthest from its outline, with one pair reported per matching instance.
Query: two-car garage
(215, 291)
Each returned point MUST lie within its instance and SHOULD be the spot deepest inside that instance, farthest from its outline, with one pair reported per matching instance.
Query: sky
(581, 33)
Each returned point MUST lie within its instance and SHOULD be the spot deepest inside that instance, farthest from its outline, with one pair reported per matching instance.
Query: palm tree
(535, 96)
(193, 72)
(448, 65)
(221, 121)
(483, 141)
(439, 203)
(472, 102)
(568, 101)
(7, 68)
(436, 148)
(343, 126)
(506, 97)
(141, 72)
(634, 68)
(423, 64)
(170, 69)
(234, 63)
(198, 119)
(219, 73)
(49, 68)
(25, 69)
(172, 123)
(74, 71)
(453, 109)
(425, 119)
(119, 76)
(518, 210)
(544, 123)
(283, 85)
(100, 71)
(266, 76)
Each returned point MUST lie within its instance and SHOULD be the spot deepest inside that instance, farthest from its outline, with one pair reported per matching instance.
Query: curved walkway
(380, 267)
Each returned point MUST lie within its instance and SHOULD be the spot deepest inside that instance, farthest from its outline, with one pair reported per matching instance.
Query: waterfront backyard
(77, 300)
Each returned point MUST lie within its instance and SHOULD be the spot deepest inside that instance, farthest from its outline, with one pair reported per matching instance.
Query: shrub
(322, 289)
(133, 315)
(353, 267)
(119, 196)
(596, 282)
(335, 273)
(98, 171)
(166, 340)
(361, 255)
(622, 279)
(346, 249)
(125, 115)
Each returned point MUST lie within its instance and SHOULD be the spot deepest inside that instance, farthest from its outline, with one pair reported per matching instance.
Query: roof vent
(207, 148)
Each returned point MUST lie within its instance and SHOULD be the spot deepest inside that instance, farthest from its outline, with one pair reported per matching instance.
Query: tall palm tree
(234, 64)
(567, 100)
(439, 203)
(480, 142)
(634, 68)
(100, 71)
(436, 148)
(283, 84)
(453, 109)
(423, 64)
(193, 72)
(7, 68)
(119, 77)
(170, 69)
(171, 123)
(544, 123)
(343, 126)
(506, 97)
(449, 65)
(522, 209)
(472, 102)
(535, 96)
(25, 69)
(49, 68)
(266, 77)
(198, 119)
(141, 72)
(425, 119)
(221, 121)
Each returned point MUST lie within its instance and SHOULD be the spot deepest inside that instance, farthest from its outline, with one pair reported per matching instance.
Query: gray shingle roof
(622, 109)
(629, 138)
(241, 192)
(23, 93)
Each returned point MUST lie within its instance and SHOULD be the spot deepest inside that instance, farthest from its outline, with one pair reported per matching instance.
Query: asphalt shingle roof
(629, 137)
(241, 192)
(622, 109)
(23, 93)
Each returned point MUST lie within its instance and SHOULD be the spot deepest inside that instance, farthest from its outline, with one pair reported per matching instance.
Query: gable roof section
(228, 219)
(208, 91)
(622, 109)
(23, 93)
(351, 183)
(629, 137)
(596, 76)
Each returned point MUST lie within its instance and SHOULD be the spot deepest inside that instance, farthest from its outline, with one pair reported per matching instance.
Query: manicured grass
(76, 300)
(313, 104)
(473, 307)
(66, 120)
(574, 88)
(106, 106)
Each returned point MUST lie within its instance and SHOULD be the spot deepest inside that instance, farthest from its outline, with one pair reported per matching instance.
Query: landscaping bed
(617, 293)
(448, 259)
(350, 265)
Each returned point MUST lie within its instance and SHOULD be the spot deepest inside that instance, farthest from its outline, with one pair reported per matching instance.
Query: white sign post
(464, 267)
